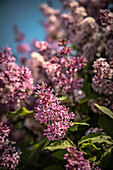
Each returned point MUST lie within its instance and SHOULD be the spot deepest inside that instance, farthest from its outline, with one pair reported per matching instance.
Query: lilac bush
(58, 100)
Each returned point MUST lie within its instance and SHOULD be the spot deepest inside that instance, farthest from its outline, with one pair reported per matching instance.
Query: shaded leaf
(76, 125)
(92, 159)
(36, 146)
(105, 158)
(55, 167)
(64, 98)
(62, 144)
(105, 110)
(106, 124)
(59, 154)
(96, 138)
(89, 148)
(46, 144)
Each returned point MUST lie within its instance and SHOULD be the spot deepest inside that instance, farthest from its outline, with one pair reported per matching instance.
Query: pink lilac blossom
(52, 114)
(23, 48)
(75, 160)
(9, 154)
(106, 18)
(102, 81)
(93, 6)
(16, 84)
(5, 55)
(19, 36)
(94, 130)
(42, 45)
(62, 70)
(36, 65)
(109, 49)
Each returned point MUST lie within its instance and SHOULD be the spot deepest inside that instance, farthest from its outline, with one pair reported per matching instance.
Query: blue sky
(26, 14)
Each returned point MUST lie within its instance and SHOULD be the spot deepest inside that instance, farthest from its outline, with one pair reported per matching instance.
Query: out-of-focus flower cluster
(9, 154)
(76, 25)
(52, 114)
(93, 6)
(102, 82)
(16, 83)
(94, 130)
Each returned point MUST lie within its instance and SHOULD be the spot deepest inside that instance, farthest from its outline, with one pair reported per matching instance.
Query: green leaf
(82, 101)
(96, 138)
(76, 125)
(105, 158)
(62, 144)
(106, 124)
(36, 146)
(92, 159)
(21, 111)
(64, 98)
(46, 144)
(105, 110)
(55, 167)
(59, 154)
(89, 148)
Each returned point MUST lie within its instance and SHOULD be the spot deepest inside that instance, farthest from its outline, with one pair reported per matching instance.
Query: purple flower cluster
(19, 36)
(16, 84)
(62, 70)
(75, 160)
(52, 114)
(102, 82)
(93, 6)
(94, 130)
(9, 154)
(106, 18)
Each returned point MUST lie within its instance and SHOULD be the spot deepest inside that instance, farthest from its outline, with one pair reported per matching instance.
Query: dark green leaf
(89, 148)
(92, 159)
(106, 124)
(76, 125)
(105, 158)
(36, 146)
(54, 167)
(59, 154)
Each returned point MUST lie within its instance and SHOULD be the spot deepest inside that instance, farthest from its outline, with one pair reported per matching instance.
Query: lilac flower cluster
(102, 81)
(76, 160)
(9, 154)
(94, 130)
(62, 70)
(19, 36)
(93, 6)
(45, 48)
(52, 114)
(16, 84)
(106, 18)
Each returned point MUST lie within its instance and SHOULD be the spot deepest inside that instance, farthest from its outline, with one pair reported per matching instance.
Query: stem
(69, 140)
